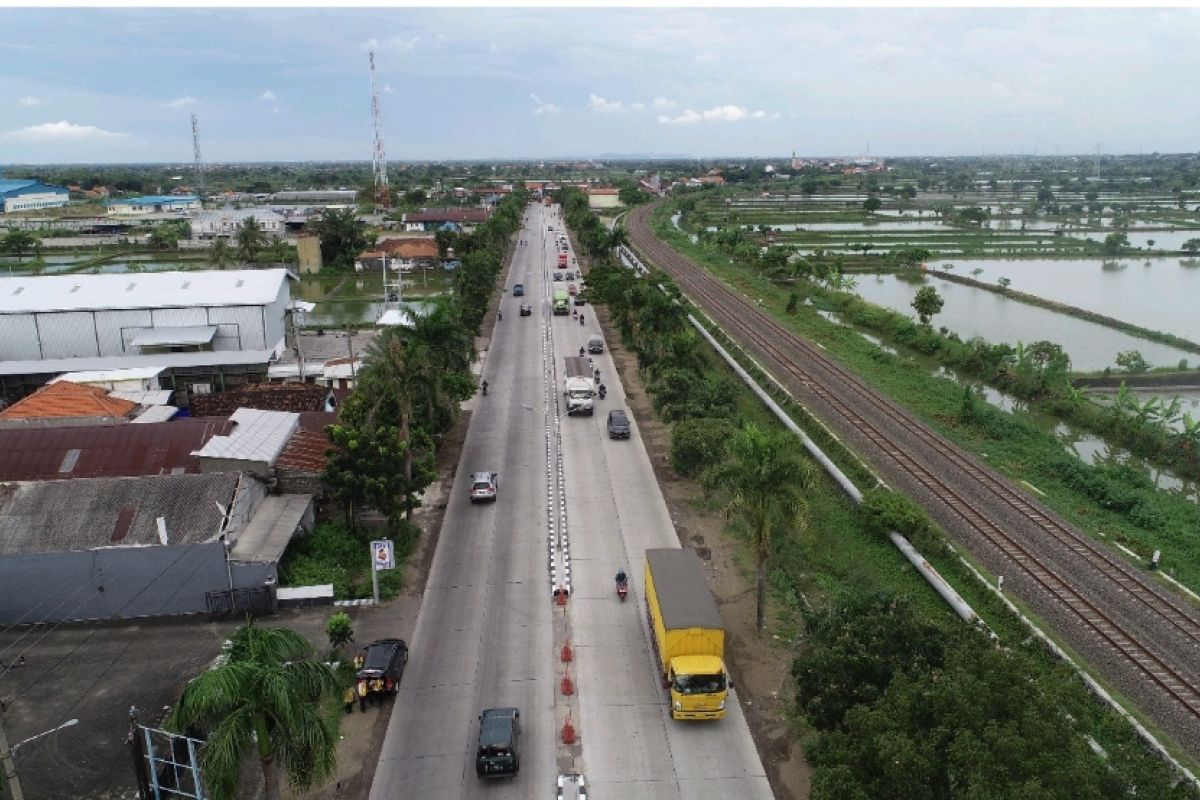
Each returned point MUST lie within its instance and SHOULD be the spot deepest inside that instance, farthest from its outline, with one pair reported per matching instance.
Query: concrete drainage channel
(570, 783)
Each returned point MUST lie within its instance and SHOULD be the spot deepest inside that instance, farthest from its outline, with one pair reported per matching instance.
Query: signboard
(382, 555)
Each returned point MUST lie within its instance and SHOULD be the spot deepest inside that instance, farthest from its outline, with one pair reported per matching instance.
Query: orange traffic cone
(568, 731)
(566, 652)
(568, 686)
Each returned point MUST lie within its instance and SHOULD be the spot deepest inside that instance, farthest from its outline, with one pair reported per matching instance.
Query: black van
(499, 743)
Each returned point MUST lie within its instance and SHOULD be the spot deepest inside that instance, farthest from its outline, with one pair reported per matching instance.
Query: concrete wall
(118, 582)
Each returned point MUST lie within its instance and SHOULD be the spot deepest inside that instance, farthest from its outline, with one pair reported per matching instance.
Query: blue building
(29, 195)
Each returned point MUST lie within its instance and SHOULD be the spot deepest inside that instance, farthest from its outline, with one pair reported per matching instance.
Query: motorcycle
(603, 391)
(484, 387)
(581, 319)
(622, 585)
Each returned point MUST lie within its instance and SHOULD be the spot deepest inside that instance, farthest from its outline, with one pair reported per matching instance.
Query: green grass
(334, 554)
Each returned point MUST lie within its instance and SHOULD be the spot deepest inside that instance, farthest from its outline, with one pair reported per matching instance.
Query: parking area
(95, 672)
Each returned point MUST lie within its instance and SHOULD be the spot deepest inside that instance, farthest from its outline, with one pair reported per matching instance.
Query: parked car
(382, 660)
(499, 743)
(526, 310)
(571, 290)
(618, 424)
(558, 276)
(518, 289)
(484, 486)
(570, 276)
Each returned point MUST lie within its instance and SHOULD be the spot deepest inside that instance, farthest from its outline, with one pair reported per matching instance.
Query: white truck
(578, 386)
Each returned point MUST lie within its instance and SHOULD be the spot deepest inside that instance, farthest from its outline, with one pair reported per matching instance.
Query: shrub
(698, 444)
(883, 510)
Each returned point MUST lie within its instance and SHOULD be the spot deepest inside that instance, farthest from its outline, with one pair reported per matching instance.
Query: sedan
(558, 276)
(526, 310)
(484, 486)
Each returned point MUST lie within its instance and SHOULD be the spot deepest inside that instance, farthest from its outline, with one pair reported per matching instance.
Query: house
(418, 252)
(257, 439)
(432, 219)
(375, 261)
(65, 404)
(225, 222)
(153, 204)
(291, 397)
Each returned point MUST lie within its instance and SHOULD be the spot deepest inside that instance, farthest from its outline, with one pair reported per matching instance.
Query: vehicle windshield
(482, 485)
(700, 684)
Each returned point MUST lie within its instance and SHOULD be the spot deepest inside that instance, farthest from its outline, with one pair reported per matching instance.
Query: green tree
(343, 236)
(766, 481)
(250, 240)
(18, 243)
(339, 630)
(699, 444)
(221, 255)
(1132, 362)
(415, 197)
(164, 237)
(1114, 243)
(872, 204)
(1191, 246)
(927, 304)
(1003, 283)
(265, 698)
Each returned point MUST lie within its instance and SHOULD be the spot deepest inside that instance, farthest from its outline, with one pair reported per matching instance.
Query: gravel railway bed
(1138, 634)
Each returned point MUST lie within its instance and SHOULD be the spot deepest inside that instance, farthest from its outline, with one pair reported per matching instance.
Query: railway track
(1113, 609)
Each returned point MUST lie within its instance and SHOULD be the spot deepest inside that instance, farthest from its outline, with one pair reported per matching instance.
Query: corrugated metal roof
(112, 375)
(683, 594)
(258, 436)
(202, 358)
(15, 184)
(245, 287)
(269, 532)
(175, 335)
(105, 451)
(157, 413)
(144, 397)
(79, 515)
(155, 199)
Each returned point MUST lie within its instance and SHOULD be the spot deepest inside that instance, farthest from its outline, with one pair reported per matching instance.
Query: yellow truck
(689, 642)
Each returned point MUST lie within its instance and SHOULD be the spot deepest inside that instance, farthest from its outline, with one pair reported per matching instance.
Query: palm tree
(220, 255)
(264, 697)
(250, 240)
(766, 480)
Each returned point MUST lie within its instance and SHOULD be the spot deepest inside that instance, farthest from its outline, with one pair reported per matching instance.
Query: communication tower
(196, 153)
(378, 158)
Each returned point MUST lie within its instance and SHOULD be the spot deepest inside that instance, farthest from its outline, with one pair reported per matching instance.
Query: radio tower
(196, 153)
(378, 158)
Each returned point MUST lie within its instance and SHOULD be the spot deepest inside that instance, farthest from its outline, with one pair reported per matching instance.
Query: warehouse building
(224, 223)
(153, 204)
(201, 327)
(28, 195)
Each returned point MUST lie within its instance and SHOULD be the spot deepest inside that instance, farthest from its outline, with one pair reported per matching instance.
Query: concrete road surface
(484, 636)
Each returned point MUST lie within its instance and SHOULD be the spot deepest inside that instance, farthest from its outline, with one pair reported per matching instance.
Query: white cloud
(387, 88)
(599, 105)
(402, 44)
(31, 101)
(57, 131)
(543, 108)
(638, 106)
(180, 102)
(662, 102)
(1001, 89)
(726, 113)
(268, 95)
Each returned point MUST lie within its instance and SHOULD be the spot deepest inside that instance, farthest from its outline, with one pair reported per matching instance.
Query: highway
(486, 634)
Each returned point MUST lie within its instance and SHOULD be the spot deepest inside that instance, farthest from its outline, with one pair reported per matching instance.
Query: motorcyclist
(581, 352)
(484, 387)
(603, 391)
(581, 319)
(622, 578)
(499, 315)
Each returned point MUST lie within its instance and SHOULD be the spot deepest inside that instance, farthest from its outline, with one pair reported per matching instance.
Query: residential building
(415, 252)
(153, 204)
(432, 219)
(66, 404)
(29, 195)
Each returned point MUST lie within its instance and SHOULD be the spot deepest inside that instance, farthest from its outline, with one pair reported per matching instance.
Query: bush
(698, 444)
(883, 510)
(335, 553)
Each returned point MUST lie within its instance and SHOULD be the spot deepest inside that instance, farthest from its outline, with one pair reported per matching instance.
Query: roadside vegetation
(894, 696)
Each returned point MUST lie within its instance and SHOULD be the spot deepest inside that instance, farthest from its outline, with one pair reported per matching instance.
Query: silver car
(484, 486)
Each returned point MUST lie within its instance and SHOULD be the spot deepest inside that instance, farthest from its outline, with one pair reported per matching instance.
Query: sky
(113, 85)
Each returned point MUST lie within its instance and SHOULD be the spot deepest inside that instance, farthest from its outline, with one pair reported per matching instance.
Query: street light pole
(9, 766)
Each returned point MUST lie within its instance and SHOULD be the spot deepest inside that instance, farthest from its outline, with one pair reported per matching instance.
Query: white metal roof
(396, 316)
(144, 397)
(161, 413)
(203, 358)
(111, 375)
(41, 293)
(175, 335)
(271, 530)
(257, 436)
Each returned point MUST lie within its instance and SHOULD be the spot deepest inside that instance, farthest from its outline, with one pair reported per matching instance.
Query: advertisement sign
(382, 554)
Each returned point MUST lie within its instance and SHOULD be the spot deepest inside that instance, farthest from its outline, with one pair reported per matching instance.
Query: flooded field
(1160, 297)
(971, 311)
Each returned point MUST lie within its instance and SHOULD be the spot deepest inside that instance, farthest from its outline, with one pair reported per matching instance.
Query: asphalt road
(485, 634)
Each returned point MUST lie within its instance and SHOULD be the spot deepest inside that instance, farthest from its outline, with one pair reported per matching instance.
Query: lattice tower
(378, 157)
(196, 154)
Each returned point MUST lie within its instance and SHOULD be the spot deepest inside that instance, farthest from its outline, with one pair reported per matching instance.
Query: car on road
(526, 310)
(518, 289)
(595, 344)
(383, 660)
(570, 276)
(618, 424)
(558, 276)
(484, 486)
(499, 752)
(571, 290)
(580, 300)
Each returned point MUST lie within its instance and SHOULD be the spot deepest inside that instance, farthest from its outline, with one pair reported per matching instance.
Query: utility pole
(8, 765)
(200, 191)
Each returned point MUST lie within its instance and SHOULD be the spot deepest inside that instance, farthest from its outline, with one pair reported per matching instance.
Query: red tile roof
(64, 400)
(265, 396)
(422, 247)
(459, 215)
(305, 451)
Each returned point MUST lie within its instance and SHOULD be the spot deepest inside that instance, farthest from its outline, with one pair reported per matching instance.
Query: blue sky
(119, 85)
